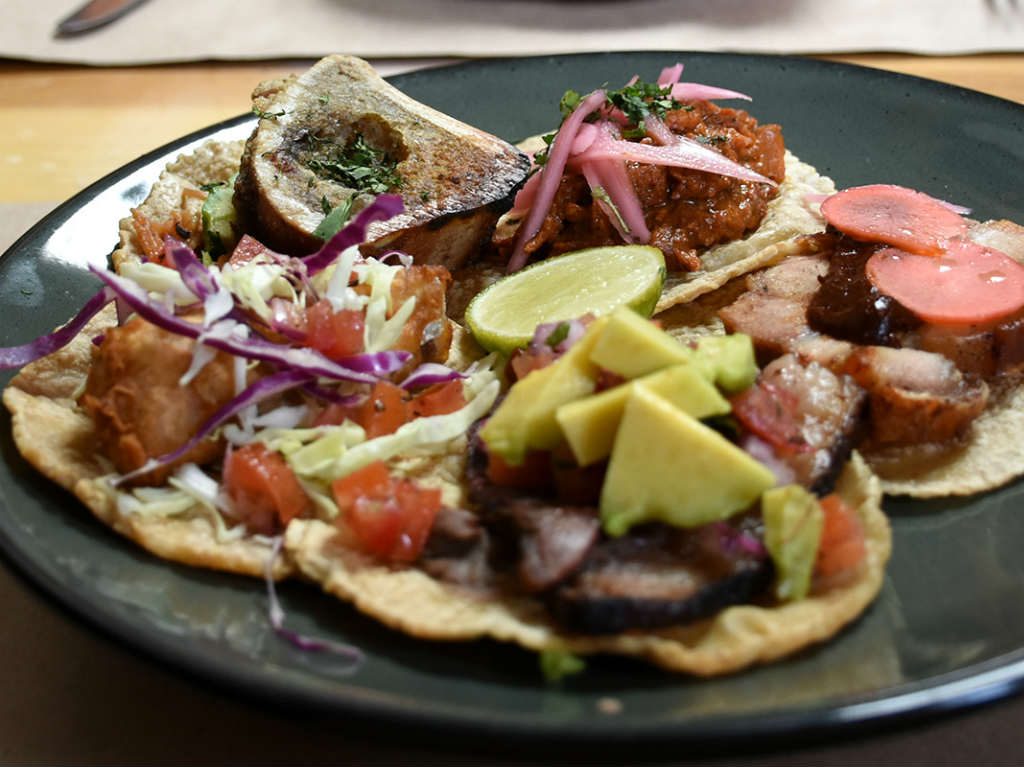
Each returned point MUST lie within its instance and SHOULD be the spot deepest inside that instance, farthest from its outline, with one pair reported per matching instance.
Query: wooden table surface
(72, 125)
(77, 698)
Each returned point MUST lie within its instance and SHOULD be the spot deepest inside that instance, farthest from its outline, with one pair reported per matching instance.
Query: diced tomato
(246, 250)
(894, 215)
(263, 489)
(525, 361)
(382, 412)
(533, 474)
(967, 284)
(574, 484)
(335, 334)
(842, 546)
(391, 518)
(438, 399)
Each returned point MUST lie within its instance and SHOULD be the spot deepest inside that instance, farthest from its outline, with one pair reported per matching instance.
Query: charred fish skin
(339, 134)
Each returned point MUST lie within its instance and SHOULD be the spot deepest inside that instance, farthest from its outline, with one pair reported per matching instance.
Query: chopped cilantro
(635, 101)
(334, 218)
(641, 99)
(325, 99)
(558, 664)
(358, 165)
(268, 115)
(570, 100)
(559, 334)
(710, 140)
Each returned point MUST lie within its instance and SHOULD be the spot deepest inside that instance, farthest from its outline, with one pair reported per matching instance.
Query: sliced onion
(18, 356)
(659, 131)
(684, 153)
(526, 195)
(699, 92)
(430, 373)
(670, 75)
(585, 136)
(385, 206)
(575, 328)
(252, 395)
(551, 176)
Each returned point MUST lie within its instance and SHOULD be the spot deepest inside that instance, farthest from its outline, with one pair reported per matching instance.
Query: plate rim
(969, 686)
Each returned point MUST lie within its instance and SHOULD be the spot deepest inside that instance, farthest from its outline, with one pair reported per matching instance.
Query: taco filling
(929, 325)
(617, 502)
(656, 164)
(235, 394)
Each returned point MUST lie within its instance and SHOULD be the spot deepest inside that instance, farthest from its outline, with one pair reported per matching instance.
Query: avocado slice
(590, 424)
(220, 222)
(632, 346)
(667, 466)
(525, 420)
(793, 521)
(729, 360)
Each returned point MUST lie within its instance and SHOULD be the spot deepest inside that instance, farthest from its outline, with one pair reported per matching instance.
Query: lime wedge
(504, 316)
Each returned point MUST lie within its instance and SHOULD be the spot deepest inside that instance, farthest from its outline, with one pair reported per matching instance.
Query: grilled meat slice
(660, 576)
(339, 132)
(457, 549)
(547, 540)
(847, 305)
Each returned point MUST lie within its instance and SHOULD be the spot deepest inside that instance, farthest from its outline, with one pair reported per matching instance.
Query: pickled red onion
(552, 176)
(699, 92)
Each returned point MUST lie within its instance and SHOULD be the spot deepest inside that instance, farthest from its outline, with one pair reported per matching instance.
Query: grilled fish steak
(339, 134)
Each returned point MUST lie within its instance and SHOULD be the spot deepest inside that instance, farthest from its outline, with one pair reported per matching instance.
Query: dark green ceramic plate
(946, 631)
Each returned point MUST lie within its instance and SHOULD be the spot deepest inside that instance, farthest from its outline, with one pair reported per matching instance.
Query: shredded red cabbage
(366, 368)
(430, 373)
(276, 616)
(197, 278)
(328, 394)
(19, 356)
(382, 208)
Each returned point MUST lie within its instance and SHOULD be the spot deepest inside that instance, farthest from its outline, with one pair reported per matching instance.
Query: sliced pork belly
(916, 396)
(808, 417)
(920, 387)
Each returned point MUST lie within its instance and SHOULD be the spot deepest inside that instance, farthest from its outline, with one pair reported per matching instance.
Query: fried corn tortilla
(59, 439)
(409, 600)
